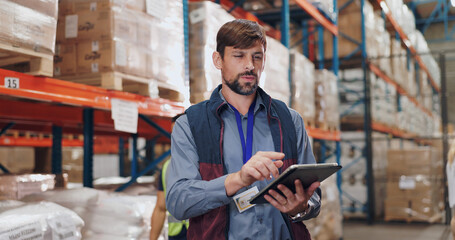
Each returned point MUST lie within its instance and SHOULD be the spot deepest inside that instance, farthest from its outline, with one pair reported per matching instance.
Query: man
(177, 229)
(227, 148)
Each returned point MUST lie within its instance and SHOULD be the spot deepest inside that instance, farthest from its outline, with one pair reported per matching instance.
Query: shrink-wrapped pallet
(275, 77)
(326, 100)
(205, 20)
(302, 75)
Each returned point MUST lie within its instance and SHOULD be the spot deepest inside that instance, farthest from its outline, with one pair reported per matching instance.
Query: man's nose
(249, 64)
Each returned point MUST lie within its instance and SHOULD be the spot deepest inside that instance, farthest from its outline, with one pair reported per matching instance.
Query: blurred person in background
(450, 170)
(176, 229)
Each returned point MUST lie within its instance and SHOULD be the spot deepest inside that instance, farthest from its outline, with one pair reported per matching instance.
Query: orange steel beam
(37, 142)
(380, 127)
(68, 117)
(53, 90)
(406, 41)
(239, 12)
(322, 134)
(321, 19)
(399, 89)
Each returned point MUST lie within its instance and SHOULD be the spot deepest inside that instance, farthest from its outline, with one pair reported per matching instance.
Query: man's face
(242, 68)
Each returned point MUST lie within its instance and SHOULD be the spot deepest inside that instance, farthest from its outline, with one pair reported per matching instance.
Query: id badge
(242, 200)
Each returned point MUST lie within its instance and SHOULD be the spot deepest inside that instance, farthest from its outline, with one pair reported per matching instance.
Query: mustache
(251, 73)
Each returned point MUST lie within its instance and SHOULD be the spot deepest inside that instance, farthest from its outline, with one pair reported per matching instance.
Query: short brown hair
(239, 33)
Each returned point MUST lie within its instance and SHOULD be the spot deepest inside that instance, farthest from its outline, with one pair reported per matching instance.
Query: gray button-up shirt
(190, 196)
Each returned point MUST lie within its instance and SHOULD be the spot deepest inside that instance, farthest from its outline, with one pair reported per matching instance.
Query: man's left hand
(292, 203)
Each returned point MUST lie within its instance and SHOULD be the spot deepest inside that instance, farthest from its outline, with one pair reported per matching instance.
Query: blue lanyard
(247, 146)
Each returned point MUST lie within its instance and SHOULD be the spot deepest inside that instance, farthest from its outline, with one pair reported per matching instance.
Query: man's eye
(238, 56)
(258, 57)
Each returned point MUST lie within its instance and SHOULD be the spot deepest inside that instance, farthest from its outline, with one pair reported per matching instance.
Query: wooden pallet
(328, 127)
(309, 123)
(128, 83)
(26, 61)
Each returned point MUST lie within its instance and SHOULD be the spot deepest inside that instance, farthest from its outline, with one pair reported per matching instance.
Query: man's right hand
(260, 166)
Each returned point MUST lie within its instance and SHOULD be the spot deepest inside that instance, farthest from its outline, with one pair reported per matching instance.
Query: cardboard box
(17, 159)
(99, 56)
(23, 27)
(46, 7)
(14, 187)
(65, 59)
(98, 25)
(74, 6)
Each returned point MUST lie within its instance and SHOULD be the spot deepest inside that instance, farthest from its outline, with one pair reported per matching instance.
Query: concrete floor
(395, 231)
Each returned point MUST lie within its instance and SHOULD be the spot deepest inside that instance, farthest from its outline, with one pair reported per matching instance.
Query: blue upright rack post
(367, 122)
(88, 147)
(56, 149)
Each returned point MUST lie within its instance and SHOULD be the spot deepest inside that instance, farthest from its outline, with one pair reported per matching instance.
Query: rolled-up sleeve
(187, 195)
(305, 156)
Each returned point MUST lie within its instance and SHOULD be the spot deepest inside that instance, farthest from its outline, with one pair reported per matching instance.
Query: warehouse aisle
(395, 231)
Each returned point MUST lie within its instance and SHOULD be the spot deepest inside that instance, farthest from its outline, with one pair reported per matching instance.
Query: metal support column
(134, 156)
(320, 30)
(445, 120)
(121, 157)
(88, 147)
(285, 22)
(56, 149)
(367, 122)
(187, 49)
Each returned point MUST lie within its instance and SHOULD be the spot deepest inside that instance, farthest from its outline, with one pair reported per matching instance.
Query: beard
(247, 88)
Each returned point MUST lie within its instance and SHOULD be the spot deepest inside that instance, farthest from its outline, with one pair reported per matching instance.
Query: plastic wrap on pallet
(44, 220)
(18, 186)
(401, 13)
(275, 77)
(326, 100)
(105, 214)
(205, 19)
(26, 28)
(350, 89)
(302, 75)
(73, 6)
(326, 6)
(415, 185)
(354, 183)
(328, 225)
(121, 36)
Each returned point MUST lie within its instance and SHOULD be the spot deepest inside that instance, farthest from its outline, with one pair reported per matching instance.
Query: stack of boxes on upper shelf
(27, 35)
(144, 40)
(314, 92)
(388, 54)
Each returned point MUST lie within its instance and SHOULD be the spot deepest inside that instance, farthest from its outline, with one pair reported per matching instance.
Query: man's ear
(217, 60)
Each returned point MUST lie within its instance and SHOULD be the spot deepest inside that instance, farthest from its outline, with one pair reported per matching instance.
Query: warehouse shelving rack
(441, 12)
(48, 105)
(369, 125)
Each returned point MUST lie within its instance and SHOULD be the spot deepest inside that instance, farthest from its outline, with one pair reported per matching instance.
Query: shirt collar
(259, 102)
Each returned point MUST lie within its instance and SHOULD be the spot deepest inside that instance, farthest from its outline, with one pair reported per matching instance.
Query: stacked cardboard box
(125, 36)
(29, 24)
(205, 19)
(414, 185)
(13, 187)
(17, 159)
(328, 225)
(275, 78)
(354, 177)
(302, 75)
(326, 100)
(349, 23)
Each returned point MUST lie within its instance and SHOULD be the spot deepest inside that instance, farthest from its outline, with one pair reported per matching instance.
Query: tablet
(307, 173)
